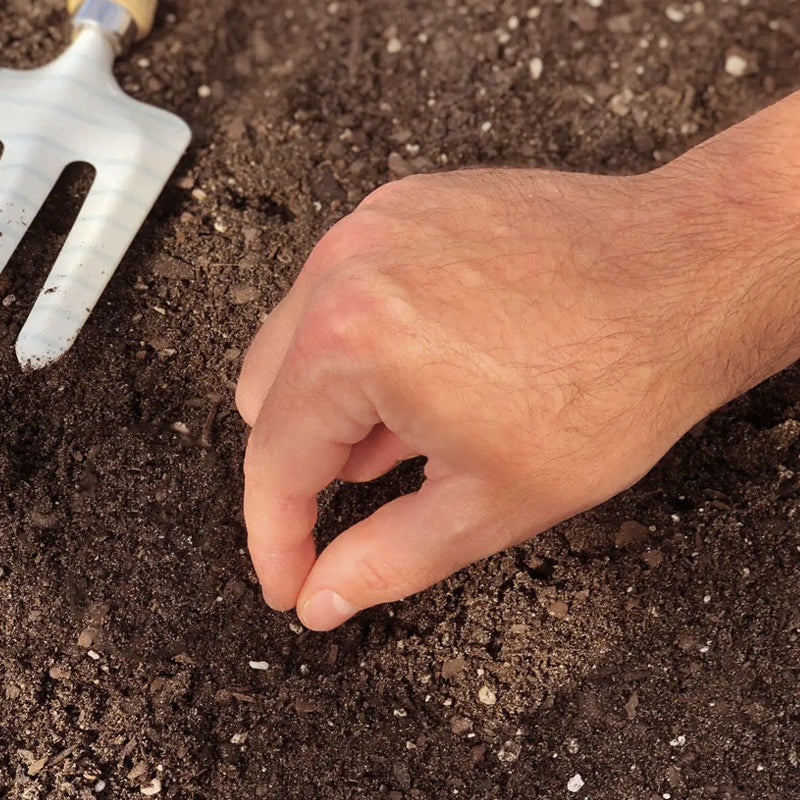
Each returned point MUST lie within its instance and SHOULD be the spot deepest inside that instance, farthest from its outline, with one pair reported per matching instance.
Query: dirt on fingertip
(648, 649)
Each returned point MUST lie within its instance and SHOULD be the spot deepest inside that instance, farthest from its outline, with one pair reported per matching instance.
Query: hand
(541, 338)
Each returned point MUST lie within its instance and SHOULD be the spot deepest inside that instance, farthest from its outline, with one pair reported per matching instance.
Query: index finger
(300, 442)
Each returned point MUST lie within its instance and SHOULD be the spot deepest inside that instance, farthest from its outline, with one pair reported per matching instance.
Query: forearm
(740, 221)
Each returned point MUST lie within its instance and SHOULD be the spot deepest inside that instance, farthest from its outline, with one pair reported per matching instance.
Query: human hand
(542, 338)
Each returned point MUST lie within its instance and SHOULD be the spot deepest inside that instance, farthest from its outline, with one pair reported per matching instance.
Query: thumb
(404, 547)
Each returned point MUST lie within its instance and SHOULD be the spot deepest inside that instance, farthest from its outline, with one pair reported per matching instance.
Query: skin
(542, 338)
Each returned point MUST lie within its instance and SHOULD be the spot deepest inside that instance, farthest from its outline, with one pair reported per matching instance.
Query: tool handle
(143, 13)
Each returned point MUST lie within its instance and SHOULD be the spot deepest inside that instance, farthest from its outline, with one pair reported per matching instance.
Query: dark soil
(652, 645)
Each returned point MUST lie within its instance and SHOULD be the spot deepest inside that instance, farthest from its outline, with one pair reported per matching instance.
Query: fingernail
(326, 610)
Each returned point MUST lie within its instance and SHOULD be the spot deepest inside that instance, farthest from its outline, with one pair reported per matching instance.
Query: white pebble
(486, 127)
(674, 14)
(594, 3)
(513, 23)
(394, 45)
(99, 786)
(204, 91)
(144, 63)
(534, 12)
(487, 696)
(259, 665)
(735, 65)
(238, 738)
(678, 741)
(536, 66)
(93, 655)
(575, 783)
(154, 787)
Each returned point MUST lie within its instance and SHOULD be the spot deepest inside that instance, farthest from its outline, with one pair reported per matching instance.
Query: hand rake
(73, 110)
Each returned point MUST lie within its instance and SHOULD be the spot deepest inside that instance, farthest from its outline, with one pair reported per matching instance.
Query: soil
(651, 646)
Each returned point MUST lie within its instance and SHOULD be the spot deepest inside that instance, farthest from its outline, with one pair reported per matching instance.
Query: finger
(301, 439)
(265, 355)
(376, 455)
(404, 547)
(269, 347)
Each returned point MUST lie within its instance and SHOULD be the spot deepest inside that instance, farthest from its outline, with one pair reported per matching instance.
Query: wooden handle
(142, 11)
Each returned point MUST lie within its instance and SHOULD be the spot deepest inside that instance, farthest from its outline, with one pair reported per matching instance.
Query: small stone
(631, 706)
(486, 126)
(259, 665)
(487, 696)
(58, 673)
(632, 534)
(303, 706)
(238, 738)
(653, 558)
(203, 91)
(536, 66)
(620, 104)
(99, 786)
(558, 609)
(575, 783)
(394, 46)
(243, 293)
(736, 65)
(460, 725)
(398, 166)
(35, 767)
(94, 655)
(152, 788)
(674, 14)
(199, 195)
(509, 752)
(452, 667)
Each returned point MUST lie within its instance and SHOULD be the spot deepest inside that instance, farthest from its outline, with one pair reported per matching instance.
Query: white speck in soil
(238, 738)
(93, 655)
(259, 665)
(152, 788)
(536, 66)
(675, 14)
(575, 783)
(736, 65)
(204, 91)
(394, 46)
(99, 786)
(487, 696)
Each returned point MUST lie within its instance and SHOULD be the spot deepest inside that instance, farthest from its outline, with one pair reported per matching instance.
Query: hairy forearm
(740, 213)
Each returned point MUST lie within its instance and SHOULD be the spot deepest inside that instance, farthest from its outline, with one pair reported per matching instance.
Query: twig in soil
(355, 49)
(208, 426)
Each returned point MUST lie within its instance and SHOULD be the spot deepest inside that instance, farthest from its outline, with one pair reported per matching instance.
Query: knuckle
(349, 237)
(393, 193)
(343, 321)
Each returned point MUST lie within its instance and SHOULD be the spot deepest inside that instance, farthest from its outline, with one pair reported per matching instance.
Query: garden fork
(73, 110)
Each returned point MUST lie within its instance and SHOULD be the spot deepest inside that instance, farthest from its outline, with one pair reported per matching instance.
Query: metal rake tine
(115, 208)
(26, 179)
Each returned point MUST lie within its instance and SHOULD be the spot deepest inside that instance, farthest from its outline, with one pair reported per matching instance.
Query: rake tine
(106, 225)
(26, 180)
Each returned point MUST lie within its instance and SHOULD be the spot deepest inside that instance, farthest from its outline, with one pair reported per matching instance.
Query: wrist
(734, 209)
